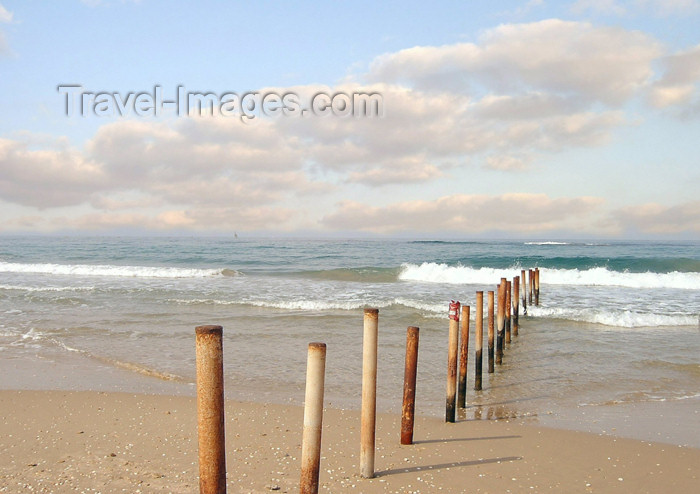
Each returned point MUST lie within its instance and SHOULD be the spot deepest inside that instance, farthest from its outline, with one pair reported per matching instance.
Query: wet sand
(88, 441)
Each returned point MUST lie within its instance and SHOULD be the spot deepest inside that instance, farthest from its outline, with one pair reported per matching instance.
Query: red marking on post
(454, 310)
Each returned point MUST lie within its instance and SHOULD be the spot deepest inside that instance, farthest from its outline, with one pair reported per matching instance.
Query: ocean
(613, 347)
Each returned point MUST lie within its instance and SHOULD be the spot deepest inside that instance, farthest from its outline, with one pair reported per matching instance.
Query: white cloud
(679, 85)
(46, 178)
(401, 174)
(466, 214)
(508, 162)
(663, 8)
(598, 6)
(5, 15)
(571, 59)
(206, 219)
(6, 18)
(132, 170)
(525, 9)
(670, 7)
(128, 164)
(653, 218)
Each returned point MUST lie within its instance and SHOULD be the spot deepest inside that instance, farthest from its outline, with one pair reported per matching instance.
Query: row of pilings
(503, 320)
(503, 323)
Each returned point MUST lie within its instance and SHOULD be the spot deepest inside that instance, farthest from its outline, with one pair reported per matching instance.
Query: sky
(536, 119)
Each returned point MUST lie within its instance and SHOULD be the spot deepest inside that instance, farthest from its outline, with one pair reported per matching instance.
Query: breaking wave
(442, 273)
(117, 271)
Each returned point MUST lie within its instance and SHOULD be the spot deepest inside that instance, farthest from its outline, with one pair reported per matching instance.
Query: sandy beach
(67, 441)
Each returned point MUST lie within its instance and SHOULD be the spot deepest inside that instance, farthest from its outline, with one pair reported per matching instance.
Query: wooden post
(313, 418)
(516, 304)
(479, 337)
(532, 284)
(369, 393)
(463, 358)
(490, 335)
(452, 349)
(210, 409)
(507, 307)
(409, 385)
(537, 286)
(523, 280)
(500, 320)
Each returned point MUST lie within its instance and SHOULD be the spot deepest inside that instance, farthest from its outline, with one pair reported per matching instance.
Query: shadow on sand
(460, 439)
(447, 465)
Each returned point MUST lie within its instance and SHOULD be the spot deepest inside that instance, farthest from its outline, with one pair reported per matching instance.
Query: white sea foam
(311, 305)
(605, 277)
(320, 305)
(109, 270)
(641, 397)
(547, 243)
(442, 273)
(610, 317)
(306, 304)
(437, 309)
(48, 288)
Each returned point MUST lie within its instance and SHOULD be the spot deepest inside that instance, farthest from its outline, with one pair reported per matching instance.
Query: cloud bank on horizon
(579, 124)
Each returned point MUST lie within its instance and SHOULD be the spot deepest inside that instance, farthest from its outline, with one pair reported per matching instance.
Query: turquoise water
(617, 324)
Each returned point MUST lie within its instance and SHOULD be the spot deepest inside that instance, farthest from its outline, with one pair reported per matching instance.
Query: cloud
(5, 18)
(5, 15)
(158, 163)
(611, 7)
(45, 178)
(679, 85)
(423, 134)
(402, 174)
(206, 219)
(667, 8)
(131, 170)
(572, 59)
(653, 218)
(663, 8)
(218, 160)
(465, 214)
(508, 162)
(524, 9)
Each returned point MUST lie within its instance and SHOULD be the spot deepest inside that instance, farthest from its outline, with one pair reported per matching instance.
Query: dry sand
(56, 441)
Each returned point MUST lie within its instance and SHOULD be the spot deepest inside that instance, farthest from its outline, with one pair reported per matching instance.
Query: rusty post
(209, 357)
(463, 358)
(537, 286)
(313, 418)
(500, 321)
(490, 335)
(369, 393)
(452, 349)
(523, 280)
(479, 337)
(409, 385)
(516, 304)
(507, 307)
(531, 288)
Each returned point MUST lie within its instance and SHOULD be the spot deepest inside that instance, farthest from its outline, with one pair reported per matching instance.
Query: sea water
(615, 338)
